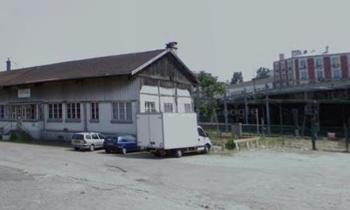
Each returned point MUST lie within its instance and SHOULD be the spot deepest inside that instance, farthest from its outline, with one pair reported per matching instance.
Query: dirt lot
(44, 177)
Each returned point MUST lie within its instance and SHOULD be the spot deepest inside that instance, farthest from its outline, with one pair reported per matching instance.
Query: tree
(262, 73)
(236, 78)
(209, 90)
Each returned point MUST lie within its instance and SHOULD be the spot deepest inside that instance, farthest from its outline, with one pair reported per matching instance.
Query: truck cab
(204, 139)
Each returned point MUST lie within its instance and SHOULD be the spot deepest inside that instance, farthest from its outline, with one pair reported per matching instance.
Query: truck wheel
(124, 151)
(157, 154)
(92, 147)
(178, 153)
(206, 149)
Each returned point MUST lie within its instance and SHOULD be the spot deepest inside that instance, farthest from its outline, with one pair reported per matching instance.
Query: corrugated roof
(87, 68)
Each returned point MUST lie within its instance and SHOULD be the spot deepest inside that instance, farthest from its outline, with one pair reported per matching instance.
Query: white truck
(171, 133)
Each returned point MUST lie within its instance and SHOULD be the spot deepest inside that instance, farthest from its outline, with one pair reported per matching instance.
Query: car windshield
(112, 138)
(78, 136)
(126, 138)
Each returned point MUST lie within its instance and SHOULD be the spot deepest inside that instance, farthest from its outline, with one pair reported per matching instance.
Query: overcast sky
(219, 36)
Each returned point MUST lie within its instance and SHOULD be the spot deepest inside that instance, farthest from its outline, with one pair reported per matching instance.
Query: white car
(87, 140)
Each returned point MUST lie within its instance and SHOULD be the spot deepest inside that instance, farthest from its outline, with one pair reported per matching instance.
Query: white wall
(167, 95)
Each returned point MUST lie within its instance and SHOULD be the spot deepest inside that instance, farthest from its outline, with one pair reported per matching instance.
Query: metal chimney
(171, 46)
(326, 50)
(8, 65)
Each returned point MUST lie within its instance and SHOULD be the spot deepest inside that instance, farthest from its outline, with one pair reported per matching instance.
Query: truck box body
(167, 130)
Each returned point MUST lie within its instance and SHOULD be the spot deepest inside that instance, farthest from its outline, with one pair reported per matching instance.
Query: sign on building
(24, 93)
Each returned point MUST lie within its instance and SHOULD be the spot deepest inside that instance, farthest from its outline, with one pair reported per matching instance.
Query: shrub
(230, 145)
(13, 136)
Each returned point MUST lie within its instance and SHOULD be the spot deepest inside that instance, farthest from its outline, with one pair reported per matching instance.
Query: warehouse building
(98, 94)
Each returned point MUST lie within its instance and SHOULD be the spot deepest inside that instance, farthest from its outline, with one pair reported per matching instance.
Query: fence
(221, 132)
(222, 129)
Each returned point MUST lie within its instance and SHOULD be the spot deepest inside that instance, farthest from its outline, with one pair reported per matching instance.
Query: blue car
(123, 144)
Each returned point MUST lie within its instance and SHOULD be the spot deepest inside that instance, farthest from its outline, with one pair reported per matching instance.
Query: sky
(217, 36)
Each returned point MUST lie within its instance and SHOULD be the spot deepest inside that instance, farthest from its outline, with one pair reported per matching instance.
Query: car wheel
(92, 147)
(76, 148)
(107, 151)
(178, 153)
(124, 151)
(157, 154)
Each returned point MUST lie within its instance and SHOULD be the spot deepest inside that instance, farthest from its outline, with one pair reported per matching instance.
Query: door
(201, 136)
(101, 139)
(96, 140)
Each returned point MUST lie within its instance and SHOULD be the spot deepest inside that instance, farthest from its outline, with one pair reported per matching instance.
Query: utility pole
(268, 116)
(246, 110)
(281, 118)
(225, 110)
(347, 141)
(312, 110)
(257, 120)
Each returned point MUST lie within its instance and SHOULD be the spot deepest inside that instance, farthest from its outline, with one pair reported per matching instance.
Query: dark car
(123, 144)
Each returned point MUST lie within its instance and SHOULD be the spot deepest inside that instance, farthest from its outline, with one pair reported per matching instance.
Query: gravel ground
(42, 177)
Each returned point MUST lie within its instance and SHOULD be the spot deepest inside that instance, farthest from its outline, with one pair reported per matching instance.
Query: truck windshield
(201, 132)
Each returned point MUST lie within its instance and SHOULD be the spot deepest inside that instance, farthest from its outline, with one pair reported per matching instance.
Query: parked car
(87, 140)
(122, 143)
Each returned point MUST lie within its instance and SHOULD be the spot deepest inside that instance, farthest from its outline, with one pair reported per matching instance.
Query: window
(55, 111)
(30, 112)
(94, 111)
(302, 64)
(88, 137)
(320, 75)
(303, 75)
(73, 111)
(201, 133)
(319, 63)
(23, 112)
(94, 136)
(335, 62)
(168, 107)
(289, 65)
(188, 108)
(150, 106)
(336, 74)
(122, 111)
(290, 75)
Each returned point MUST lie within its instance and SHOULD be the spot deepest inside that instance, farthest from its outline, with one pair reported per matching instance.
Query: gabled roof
(125, 64)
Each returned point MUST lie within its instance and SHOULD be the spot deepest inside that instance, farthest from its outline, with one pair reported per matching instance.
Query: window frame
(73, 111)
(94, 111)
(168, 107)
(124, 107)
(188, 108)
(150, 109)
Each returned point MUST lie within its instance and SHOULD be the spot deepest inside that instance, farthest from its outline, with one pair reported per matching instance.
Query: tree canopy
(262, 73)
(209, 89)
(237, 78)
